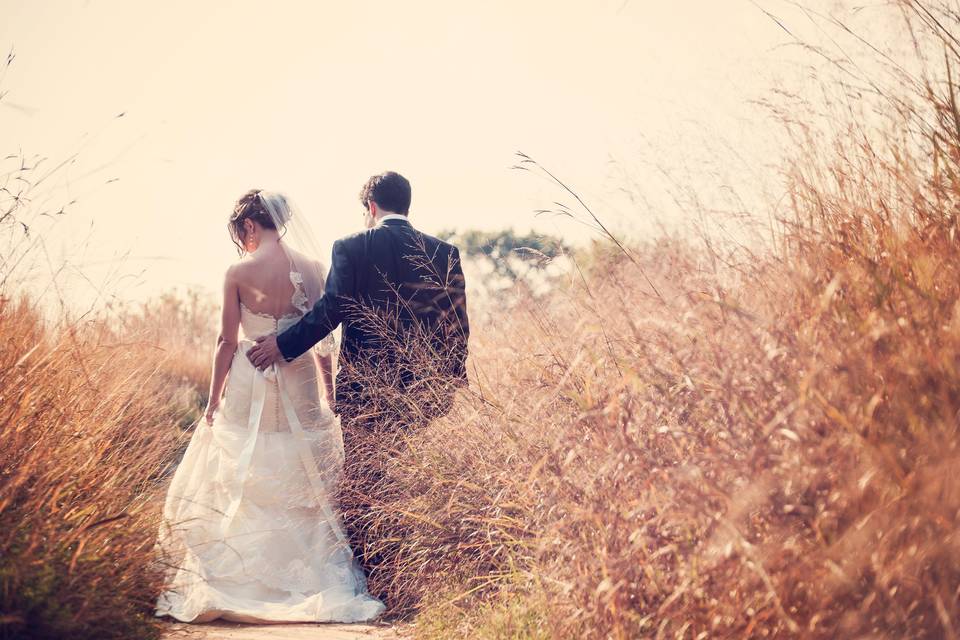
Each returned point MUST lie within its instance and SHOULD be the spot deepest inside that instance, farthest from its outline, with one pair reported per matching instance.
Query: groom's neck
(381, 214)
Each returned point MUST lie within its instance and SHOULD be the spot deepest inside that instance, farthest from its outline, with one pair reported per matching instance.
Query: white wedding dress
(249, 530)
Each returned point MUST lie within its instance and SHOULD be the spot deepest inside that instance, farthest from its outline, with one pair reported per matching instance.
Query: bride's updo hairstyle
(251, 207)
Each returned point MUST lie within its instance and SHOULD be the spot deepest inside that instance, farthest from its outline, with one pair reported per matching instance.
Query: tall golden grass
(92, 416)
(683, 441)
(691, 442)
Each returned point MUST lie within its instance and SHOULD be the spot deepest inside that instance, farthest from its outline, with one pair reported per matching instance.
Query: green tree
(510, 255)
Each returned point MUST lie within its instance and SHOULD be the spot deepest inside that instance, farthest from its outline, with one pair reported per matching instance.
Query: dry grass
(687, 442)
(90, 417)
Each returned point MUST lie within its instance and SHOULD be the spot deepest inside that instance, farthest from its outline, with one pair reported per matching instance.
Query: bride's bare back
(263, 282)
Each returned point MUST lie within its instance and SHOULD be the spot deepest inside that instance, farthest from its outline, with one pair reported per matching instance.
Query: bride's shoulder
(236, 271)
(236, 267)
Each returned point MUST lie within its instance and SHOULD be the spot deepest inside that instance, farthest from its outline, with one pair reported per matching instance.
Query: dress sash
(258, 400)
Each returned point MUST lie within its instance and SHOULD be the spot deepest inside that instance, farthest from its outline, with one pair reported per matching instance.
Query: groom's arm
(327, 312)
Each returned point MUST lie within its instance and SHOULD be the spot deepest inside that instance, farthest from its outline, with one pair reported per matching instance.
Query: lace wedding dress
(249, 531)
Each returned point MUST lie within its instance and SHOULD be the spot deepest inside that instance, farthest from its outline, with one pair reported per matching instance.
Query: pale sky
(311, 98)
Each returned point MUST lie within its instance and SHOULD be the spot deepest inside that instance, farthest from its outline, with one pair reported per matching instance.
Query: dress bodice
(256, 324)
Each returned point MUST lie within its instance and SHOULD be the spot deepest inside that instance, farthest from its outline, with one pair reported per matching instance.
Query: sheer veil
(298, 242)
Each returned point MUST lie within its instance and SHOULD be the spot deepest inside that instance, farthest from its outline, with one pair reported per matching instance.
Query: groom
(399, 294)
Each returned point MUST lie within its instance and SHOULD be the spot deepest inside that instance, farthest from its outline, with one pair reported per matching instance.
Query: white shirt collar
(391, 216)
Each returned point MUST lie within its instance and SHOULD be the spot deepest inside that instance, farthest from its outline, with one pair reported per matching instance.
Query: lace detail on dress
(299, 295)
(267, 316)
(328, 345)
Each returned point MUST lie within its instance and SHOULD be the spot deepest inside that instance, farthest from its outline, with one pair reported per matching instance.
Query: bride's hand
(210, 411)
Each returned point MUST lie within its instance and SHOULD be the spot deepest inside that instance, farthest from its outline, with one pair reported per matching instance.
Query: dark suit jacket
(399, 295)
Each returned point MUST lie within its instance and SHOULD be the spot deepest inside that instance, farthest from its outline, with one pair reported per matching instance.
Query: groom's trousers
(375, 430)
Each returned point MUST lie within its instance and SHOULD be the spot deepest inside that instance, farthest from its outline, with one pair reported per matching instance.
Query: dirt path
(230, 631)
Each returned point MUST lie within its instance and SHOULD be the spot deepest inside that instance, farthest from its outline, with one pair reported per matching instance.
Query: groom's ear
(372, 207)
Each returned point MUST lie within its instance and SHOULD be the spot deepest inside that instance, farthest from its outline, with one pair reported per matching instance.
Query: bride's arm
(226, 343)
(325, 364)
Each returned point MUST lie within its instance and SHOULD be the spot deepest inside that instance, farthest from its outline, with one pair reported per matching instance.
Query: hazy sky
(313, 97)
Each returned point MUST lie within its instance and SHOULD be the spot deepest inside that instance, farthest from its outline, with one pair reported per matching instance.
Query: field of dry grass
(92, 413)
(695, 439)
(683, 440)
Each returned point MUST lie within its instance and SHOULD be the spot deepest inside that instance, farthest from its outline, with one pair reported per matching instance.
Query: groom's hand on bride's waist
(265, 352)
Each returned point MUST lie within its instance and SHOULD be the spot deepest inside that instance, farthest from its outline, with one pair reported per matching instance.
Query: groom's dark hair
(390, 190)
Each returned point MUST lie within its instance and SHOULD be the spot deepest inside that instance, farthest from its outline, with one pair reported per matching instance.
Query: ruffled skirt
(246, 535)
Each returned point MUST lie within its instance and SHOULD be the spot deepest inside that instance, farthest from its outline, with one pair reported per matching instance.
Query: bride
(249, 532)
